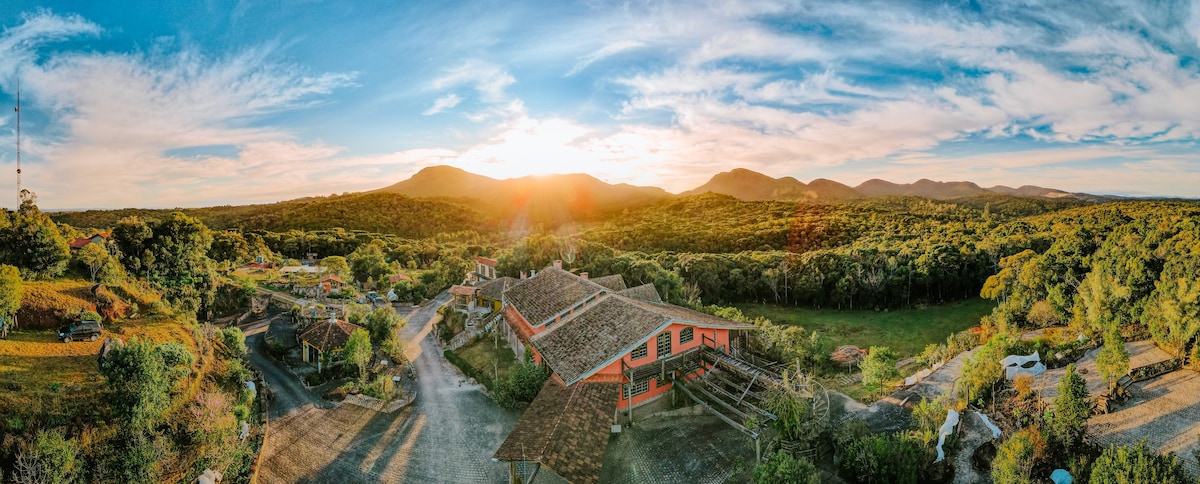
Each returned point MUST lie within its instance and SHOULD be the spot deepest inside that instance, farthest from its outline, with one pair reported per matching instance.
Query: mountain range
(583, 194)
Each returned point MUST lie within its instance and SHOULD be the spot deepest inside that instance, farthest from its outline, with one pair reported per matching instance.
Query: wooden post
(512, 472)
(757, 449)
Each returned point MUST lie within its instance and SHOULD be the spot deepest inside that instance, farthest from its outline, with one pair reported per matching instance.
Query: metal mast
(18, 110)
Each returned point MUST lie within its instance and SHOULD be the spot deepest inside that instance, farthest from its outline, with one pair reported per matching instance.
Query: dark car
(89, 330)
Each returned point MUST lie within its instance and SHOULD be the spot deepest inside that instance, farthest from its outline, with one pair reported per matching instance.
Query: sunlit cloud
(648, 93)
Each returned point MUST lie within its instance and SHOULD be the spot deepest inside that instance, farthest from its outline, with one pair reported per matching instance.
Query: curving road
(447, 435)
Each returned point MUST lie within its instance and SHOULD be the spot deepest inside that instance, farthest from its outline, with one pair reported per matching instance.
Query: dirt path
(447, 435)
(972, 434)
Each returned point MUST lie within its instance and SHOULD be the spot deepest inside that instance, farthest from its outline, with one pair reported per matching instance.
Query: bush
(1137, 465)
(522, 385)
(892, 458)
(235, 341)
(1016, 457)
(241, 413)
(782, 468)
(50, 459)
(90, 316)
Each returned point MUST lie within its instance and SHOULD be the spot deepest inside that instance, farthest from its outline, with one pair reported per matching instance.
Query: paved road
(448, 435)
(287, 392)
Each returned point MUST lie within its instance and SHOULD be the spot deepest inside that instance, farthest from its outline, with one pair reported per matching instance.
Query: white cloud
(608, 50)
(114, 116)
(488, 79)
(443, 103)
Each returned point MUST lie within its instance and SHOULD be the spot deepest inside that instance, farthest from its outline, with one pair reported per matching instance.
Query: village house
(609, 349)
(326, 338)
(82, 242)
(485, 270)
(331, 284)
(490, 294)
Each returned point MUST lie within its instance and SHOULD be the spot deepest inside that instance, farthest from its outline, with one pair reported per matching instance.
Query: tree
(383, 323)
(782, 468)
(358, 351)
(878, 368)
(32, 242)
(1071, 410)
(138, 386)
(11, 288)
(50, 459)
(1137, 465)
(337, 265)
(1016, 457)
(1113, 360)
(94, 257)
(181, 266)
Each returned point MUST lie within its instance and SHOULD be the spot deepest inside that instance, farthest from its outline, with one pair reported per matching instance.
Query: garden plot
(1165, 411)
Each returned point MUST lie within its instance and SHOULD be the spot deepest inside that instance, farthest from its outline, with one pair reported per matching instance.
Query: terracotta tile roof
(331, 277)
(688, 316)
(644, 292)
(613, 283)
(486, 261)
(549, 293)
(565, 429)
(329, 335)
(462, 290)
(400, 277)
(494, 289)
(591, 337)
(606, 330)
(79, 243)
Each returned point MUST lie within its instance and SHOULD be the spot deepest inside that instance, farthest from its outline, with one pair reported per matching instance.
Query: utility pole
(18, 110)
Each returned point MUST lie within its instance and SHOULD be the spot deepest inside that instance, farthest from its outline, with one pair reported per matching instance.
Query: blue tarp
(1061, 476)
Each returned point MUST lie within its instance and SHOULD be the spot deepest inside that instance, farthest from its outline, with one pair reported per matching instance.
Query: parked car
(89, 330)
(375, 298)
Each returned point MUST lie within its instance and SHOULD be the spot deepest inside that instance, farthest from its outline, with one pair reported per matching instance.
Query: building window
(686, 335)
(639, 352)
(636, 388)
(664, 345)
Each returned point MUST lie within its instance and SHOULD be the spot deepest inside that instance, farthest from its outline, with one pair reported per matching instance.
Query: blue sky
(162, 104)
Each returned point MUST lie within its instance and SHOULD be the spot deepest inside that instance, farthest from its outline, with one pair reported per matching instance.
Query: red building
(608, 348)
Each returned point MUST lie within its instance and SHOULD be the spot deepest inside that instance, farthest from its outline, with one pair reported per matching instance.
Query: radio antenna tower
(18, 110)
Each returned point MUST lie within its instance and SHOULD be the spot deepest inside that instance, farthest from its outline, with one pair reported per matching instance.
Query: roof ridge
(558, 419)
(601, 296)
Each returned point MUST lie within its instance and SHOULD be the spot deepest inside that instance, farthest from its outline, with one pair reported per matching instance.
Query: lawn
(482, 352)
(906, 331)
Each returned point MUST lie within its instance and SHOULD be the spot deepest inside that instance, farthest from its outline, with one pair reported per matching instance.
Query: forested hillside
(386, 213)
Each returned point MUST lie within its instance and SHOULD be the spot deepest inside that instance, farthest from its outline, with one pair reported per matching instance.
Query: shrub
(1016, 457)
(782, 468)
(1137, 465)
(892, 458)
(234, 340)
(522, 385)
(50, 459)
(89, 315)
(241, 413)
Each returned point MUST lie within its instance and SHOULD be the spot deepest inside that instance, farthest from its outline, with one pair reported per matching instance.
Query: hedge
(470, 371)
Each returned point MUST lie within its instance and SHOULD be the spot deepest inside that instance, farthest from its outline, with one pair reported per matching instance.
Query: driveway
(447, 435)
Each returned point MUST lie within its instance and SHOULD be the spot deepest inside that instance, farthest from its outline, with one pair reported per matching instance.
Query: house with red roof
(97, 238)
(609, 348)
(326, 338)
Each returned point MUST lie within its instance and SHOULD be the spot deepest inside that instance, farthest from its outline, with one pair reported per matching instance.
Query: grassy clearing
(482, 352)
(905, 331)
(38, 373)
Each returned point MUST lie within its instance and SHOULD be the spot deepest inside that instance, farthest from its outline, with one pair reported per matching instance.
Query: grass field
(905, 331)
(481, 353)
(38, 373)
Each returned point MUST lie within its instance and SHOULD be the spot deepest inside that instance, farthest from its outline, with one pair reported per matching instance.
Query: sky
(211, 102)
